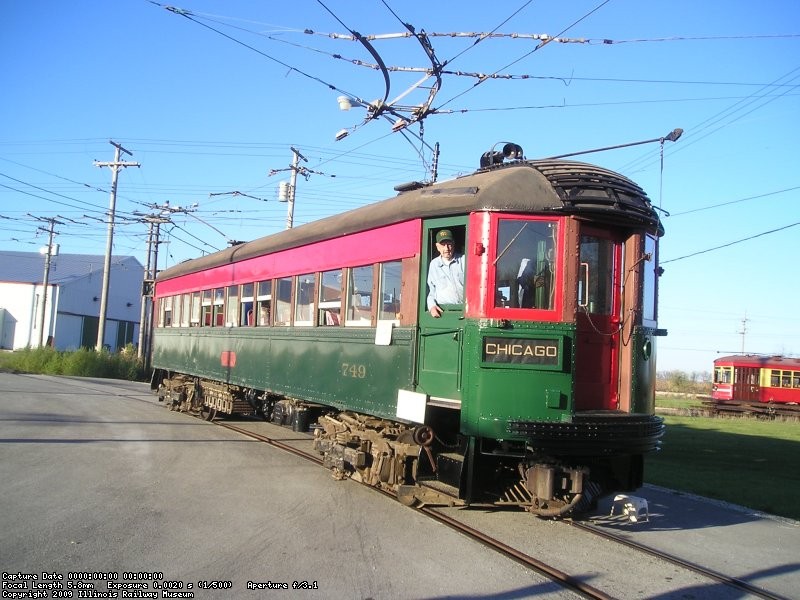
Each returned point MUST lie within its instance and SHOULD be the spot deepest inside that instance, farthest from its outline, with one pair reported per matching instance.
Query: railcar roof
(758, 360)
(529, 186)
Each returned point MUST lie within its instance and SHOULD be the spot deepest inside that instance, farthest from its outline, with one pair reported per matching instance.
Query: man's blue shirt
(446, 281)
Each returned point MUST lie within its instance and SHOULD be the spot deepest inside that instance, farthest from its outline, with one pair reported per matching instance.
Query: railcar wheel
(211, 413)
(424, 435)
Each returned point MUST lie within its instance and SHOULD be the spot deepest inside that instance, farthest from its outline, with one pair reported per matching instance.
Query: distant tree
(679, 382)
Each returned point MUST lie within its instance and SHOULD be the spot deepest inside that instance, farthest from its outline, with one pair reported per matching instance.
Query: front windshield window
(525, 264)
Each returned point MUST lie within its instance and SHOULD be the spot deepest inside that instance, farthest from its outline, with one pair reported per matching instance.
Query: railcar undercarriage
(412, 462)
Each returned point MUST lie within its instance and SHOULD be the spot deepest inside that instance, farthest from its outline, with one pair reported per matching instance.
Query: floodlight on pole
(345, 103)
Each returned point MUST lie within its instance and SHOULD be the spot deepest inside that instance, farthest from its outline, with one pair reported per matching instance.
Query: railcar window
(304, 299)
(206, 306)
(525, 264)
(232, 313)
(176, 311)
(796, 379)
(781, 378)
(359, 296)
(194, 319)
(330, 298)
(219, 307)
(594, 284)
(246, 309)
(650, 282)
(283, 305)
(264, 300)
(186, 303)
(389, 308)
(168, 311)
(723, 374)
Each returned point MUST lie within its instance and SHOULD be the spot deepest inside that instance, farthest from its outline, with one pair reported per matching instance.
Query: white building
(72, 304)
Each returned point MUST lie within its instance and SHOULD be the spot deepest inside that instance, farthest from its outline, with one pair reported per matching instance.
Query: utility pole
(150, 272)
(48, 255)
(146, 294)
(288, 195)
(115, 166)
(744, 330)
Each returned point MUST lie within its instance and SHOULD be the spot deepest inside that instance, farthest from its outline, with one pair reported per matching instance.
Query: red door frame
(598, 333)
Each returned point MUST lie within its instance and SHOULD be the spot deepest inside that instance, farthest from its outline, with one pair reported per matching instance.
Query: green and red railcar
(537, 391)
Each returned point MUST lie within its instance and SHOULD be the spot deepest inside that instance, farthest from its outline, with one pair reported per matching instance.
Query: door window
(595, 283)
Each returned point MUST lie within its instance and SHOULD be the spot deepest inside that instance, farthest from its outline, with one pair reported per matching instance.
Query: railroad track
(563, 579)
(759, 410)
(726, 580)
(545, 569)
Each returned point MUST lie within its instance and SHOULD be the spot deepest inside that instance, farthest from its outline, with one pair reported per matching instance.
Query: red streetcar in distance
(754, 378)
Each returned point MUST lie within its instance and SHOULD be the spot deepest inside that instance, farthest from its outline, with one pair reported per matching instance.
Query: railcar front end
(550, 363)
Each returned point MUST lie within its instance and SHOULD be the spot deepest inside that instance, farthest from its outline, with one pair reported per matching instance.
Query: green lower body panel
(338, 367)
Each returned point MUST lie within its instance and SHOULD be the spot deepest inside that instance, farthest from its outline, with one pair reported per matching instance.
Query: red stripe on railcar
(376, 245)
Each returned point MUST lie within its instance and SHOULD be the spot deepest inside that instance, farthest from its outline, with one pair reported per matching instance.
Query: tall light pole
(115, 166)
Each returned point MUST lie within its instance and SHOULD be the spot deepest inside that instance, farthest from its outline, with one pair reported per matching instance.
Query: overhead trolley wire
(526, 55)
(739, 241)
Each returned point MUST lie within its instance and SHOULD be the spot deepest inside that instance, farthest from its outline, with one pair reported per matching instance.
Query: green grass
(81, 363)
(740, 460)
(683, 402)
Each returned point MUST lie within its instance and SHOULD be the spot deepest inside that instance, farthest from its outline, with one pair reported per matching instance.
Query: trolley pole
(115, 166)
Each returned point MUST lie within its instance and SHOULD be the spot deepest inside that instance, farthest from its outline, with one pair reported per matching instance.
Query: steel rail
(567, 581)
(733, 582)
(271, 442)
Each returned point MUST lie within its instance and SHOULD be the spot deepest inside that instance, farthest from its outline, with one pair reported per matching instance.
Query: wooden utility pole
(115, 166)
(48, 256)
(293, 186)
(150, 272)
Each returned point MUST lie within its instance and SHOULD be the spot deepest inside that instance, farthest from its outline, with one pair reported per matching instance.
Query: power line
(188, 15)
(686, 212)
(526, 55)
(663, 262)
(729, 112)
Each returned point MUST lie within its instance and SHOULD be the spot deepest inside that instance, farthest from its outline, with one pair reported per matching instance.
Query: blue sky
(206, 115)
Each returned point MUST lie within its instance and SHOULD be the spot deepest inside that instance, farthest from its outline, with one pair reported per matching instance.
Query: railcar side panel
(337, 367)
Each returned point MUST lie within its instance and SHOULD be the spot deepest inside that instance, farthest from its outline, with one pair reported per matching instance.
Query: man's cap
(443, 235)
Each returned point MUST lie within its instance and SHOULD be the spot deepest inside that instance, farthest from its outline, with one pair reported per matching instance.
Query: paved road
(97, 476)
